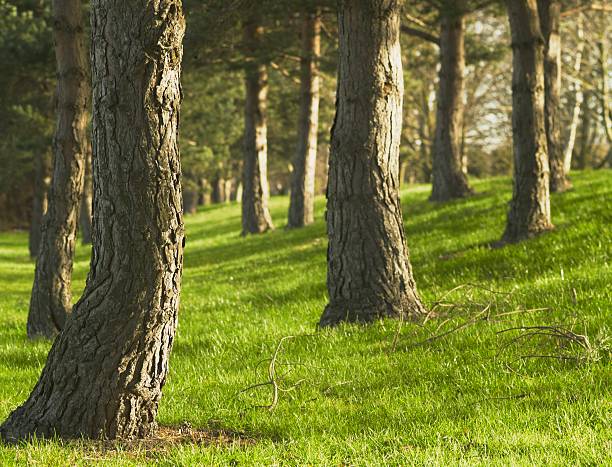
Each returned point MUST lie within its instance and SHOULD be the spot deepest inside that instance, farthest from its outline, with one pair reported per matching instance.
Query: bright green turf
(451, 401)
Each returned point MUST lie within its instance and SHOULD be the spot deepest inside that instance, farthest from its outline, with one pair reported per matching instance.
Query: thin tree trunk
(39, 203)
(529, 212)
(51, 299)
(369, 274)
(584, 154)
(449, 181)
(218, 190)
(578, 97)
(301, 206)
(256, 191)
(190, 201)
(549, 12)
(605, 102)
(203, 192)
(104, 374)
(86, 209)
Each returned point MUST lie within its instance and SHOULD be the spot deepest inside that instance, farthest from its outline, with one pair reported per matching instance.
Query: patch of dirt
(165, 439)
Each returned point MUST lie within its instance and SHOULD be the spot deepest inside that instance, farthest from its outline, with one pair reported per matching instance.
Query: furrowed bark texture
(256, 191)
(301, 206)
(529, 212)
(449, 180)
(104, 374)
(51, 299)
(39, 202)
(86, 210)
(369, 274)
(550, 16)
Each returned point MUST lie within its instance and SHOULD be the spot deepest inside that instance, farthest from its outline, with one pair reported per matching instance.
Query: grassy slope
(449, 401)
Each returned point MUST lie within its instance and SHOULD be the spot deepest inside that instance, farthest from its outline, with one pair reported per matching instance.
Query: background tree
(529, 212)
(256, 190)
(549, 12)
(301, 206)
(51, 299)
(105, 371)
(369, 274)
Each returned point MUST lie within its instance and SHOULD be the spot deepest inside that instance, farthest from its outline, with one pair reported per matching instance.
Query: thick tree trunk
(39, 202)
(529, 212)
(449, 181)
(104, 374)
(86, 210)
(51, 298)
(301, 206)
(549, 12)
(256, 191)
(369, 274)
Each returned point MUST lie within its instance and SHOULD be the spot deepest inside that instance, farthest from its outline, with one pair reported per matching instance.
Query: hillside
(385, 394)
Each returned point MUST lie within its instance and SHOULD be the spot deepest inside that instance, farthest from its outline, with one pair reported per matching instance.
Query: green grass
(461, 399)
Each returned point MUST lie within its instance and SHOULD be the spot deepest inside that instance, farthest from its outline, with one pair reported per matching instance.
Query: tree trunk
(105, 371)
(301, 206)
(39, 203)
(203, 192)
(578, 98)
(51, 300)
(86, 213)
(256, 191)
(584, 155)
(449, 180)
(218, 190)
(529, 212)
(369, 274)
(190, 201)
(549, 12)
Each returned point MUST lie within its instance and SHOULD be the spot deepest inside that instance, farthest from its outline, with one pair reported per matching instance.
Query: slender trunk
(190, 201)
(218, 190)
(578, 97)
(203, 192)
(39, 203)
(51, 300)
(449, 181)
(605, 102)
(301, 206)
(256, 191)
(104, 374)
(227, 190)
(369, 274)
(584, 154)
(549, 12)
(86, 210)
(529, 212)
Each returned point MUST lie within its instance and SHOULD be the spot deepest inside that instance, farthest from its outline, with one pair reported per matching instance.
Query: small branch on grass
(273, 378)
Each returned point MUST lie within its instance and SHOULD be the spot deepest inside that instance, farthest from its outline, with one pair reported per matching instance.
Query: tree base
(441, 196)
(511, 236)
(559, 186)
(336, 313)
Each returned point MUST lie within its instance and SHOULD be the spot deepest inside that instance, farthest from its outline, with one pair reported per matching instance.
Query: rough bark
(51, 299)
(448, 179)
(104, 374)
(301, 205)
(256, 191)
(549, 12)
(369, 274)
(529, 212)
(86, 209)
(39, 201)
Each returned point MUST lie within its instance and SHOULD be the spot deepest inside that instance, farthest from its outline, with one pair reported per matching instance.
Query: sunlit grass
(356, 397)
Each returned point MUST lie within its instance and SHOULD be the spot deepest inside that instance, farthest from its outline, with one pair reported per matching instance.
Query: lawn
(452, 390)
